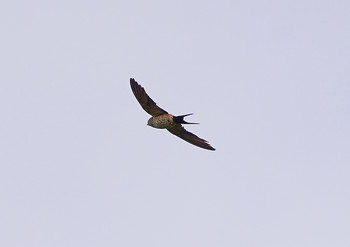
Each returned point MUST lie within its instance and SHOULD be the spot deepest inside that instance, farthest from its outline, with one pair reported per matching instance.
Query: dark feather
(145, 101)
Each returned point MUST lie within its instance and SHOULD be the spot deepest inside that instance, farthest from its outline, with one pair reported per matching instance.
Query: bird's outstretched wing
(145, 101)
(180, 131)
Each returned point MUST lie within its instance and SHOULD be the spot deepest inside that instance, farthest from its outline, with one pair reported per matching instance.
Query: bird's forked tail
(180, 119)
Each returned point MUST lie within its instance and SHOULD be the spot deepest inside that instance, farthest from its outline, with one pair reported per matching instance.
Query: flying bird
(161, 119)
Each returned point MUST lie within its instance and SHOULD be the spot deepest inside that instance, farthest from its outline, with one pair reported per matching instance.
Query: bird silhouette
(161, 119)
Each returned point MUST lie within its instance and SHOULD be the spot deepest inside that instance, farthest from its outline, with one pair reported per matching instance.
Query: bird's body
(161, 119)
(166, 121)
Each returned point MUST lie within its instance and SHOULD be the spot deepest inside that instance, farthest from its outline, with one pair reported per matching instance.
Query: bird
(161, 119)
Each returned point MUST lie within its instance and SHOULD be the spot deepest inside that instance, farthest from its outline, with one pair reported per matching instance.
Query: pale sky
(267, 80)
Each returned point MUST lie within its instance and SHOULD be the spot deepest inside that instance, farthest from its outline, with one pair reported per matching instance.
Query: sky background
(267, 80)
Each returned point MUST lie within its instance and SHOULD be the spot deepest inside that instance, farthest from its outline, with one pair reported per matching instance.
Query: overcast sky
(269, 81)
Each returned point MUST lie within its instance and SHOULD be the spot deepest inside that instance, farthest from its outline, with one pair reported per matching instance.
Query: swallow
(161, 119)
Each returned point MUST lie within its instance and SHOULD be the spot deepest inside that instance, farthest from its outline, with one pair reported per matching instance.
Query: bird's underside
(162, 120)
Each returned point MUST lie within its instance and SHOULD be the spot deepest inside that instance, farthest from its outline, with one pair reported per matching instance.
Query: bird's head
(149, 123)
